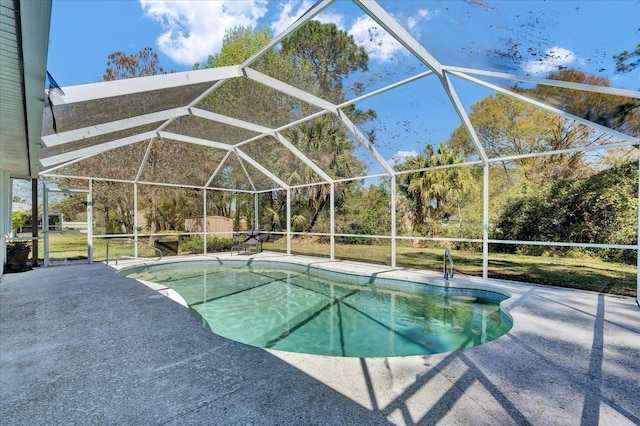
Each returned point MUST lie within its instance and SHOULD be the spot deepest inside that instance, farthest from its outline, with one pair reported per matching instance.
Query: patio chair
(253, 241)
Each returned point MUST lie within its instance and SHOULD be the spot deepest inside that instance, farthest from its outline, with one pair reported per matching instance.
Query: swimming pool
(299, 308)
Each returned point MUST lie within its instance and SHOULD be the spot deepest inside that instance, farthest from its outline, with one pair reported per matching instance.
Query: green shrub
(599, 209)
(195, 244)
(18, 219)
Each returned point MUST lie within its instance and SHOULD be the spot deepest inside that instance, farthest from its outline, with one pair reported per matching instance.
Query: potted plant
(18, 250)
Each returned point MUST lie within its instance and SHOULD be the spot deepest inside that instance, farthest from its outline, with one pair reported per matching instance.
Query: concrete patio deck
(82, 345)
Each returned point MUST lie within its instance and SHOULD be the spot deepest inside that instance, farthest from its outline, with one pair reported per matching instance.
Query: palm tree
(325, 143)
(430, 187)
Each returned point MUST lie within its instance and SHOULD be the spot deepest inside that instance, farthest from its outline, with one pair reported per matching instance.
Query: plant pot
(20, 255)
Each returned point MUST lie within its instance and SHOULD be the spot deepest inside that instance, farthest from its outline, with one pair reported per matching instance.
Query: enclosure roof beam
(145, 158)
(457, 105)
(546, 107)
(364, 142)
(113, 126)
(94, 150)
(441, 167)
(286, 126)
(113, 88)
(313, 11)
(193, 140)
(382, 17)
(547, 82)
(47, 170)
(163, 184)
(68, 190)
(313, 166)
(230, 121)
(626, 144)
(385, 89)
(302, 120)
(244, 169)
(289, 90)
(260, 167)
(218, 169)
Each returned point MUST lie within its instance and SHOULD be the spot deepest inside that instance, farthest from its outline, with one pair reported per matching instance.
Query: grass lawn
(587, 273)
(73, 246)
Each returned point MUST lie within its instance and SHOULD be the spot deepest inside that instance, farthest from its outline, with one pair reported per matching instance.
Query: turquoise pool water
(298, 308)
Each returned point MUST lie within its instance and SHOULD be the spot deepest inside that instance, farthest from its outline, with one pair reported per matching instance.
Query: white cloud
(194, 30)
(420, 15)
(293, 9)
(400, 156)
(380, 45)
(332, 18)
(288, 13)
(554, 58)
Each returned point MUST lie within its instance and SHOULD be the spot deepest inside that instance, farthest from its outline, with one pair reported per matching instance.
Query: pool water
(297, 308)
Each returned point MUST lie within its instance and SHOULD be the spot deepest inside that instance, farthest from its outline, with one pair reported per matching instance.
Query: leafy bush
(363, 228)
(195, 244)
(364, 212)
(600, 209)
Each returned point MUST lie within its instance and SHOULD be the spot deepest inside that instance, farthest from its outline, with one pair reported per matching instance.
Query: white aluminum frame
(218, 76)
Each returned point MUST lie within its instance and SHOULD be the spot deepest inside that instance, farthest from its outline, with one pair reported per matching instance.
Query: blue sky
(520, 37)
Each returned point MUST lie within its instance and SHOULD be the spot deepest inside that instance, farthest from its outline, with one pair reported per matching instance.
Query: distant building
(55, 224)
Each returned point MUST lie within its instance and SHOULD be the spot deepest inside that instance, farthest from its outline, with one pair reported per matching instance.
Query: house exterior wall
(5, 215)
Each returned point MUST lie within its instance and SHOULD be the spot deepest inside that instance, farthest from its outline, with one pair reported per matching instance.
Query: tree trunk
(153, 218)
(316, 214)
(108, 229)
(418, 214)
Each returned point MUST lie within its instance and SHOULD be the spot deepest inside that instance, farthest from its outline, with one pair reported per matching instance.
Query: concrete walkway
(82, 345)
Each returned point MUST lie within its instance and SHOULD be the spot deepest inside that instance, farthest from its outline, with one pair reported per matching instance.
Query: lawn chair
(253, 241)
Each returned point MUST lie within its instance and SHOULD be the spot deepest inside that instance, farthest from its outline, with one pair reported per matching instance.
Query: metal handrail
(447, 256)
(129, 240)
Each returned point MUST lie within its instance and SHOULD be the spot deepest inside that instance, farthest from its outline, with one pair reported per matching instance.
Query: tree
(246, 100)
(328, 55)
(167, 161)
(18, 219)
(602, 208)
(325, 143)
(508, 127)
(238, 45)
(166, 158)
(434, 192)
(331, 52)
(627, 61)
(366, 212)
(141, 64)
(616, 112)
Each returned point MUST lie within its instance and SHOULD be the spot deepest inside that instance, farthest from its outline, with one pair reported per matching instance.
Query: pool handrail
(447, 256)
(130, 240)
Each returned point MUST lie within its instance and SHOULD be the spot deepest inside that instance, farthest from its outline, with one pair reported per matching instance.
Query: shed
(221, 226)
